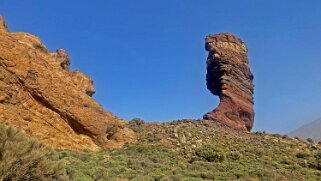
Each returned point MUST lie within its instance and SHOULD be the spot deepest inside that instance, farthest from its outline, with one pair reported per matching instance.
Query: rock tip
(224, 36)
(3, 26)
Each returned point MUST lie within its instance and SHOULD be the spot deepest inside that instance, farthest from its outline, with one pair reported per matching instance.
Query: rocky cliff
(230, 78)
(40, 95)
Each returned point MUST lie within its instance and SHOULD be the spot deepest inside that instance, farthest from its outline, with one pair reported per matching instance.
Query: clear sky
(147, 57)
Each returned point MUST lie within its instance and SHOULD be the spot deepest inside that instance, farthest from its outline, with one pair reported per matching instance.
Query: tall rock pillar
(229, 77)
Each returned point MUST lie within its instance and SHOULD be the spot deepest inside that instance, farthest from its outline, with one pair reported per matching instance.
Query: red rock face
(40, 95)
(230, 78)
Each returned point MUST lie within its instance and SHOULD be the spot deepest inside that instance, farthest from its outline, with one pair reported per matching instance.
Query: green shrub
(233, 155)
(136, 124)
(22, 158)
(315, 164)
(317, 155)
(302, 155)
(210, 153)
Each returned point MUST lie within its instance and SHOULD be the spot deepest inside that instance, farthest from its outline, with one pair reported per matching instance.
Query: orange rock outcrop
(40, 95)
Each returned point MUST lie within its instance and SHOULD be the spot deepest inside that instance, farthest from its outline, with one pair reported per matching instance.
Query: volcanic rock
(40, 95)
(229, 77)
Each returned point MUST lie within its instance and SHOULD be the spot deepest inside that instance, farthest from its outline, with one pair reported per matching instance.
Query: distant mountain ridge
(311, 130)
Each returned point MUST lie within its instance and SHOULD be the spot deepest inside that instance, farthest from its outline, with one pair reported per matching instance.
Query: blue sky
(147, 58)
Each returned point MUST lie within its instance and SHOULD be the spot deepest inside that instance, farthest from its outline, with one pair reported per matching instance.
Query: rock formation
(229, 77)
(40, 95)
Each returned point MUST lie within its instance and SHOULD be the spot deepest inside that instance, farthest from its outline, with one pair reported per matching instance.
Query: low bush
(211, 153)
(136, 124)
(233, 155)
(302, 155)
(317, 155)
(22, 158)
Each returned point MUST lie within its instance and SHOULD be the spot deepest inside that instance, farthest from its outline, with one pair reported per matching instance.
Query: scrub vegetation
(195, 150)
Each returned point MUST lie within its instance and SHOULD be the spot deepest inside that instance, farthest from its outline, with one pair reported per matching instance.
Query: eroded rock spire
(229, 77)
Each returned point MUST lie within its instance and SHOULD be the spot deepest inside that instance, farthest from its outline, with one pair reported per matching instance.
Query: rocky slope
(40, 95)
(230, 78)
(199, 150)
